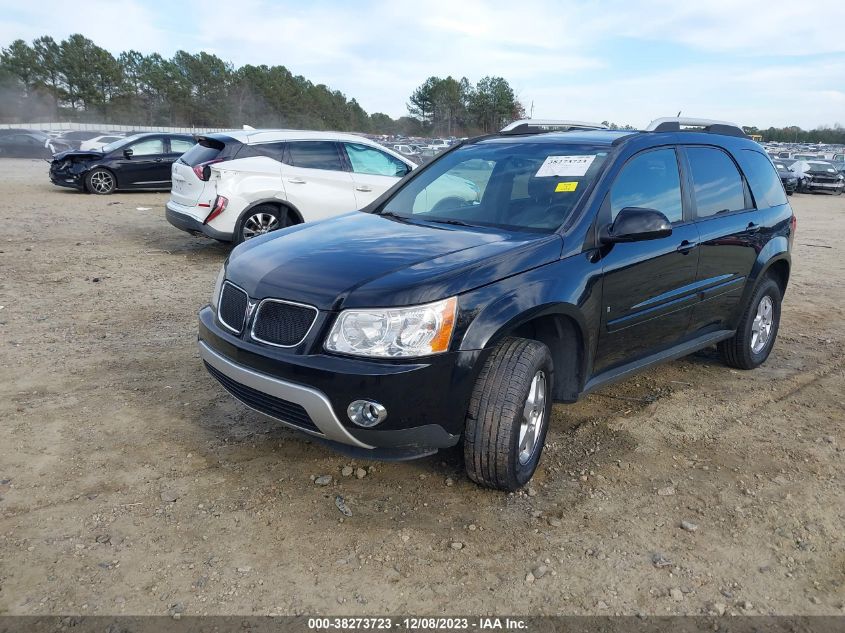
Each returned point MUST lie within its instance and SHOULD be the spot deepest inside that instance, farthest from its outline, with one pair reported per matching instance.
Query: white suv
(235, 185)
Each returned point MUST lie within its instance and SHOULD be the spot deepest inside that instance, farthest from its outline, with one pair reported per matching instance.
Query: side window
(762, 177)
(180, 145)
(717, 185)
(148, 147)
(315, 155)
(276, 151)
(651, 181)
(368, 160)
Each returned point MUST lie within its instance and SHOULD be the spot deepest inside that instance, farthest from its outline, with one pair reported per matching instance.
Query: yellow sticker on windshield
(565, 186)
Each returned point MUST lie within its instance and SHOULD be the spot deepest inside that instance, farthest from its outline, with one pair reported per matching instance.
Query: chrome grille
(282, 323)
(232, 308)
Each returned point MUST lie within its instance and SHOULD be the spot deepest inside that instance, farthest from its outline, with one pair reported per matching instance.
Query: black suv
(590, 254)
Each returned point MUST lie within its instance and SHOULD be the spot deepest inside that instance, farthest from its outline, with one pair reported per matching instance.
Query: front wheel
(757, 331)
(100, 182)
(508, 414)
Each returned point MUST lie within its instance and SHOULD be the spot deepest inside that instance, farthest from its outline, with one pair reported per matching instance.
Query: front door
(316, 181)
(373, 171)
(146, 167)
(648, 286)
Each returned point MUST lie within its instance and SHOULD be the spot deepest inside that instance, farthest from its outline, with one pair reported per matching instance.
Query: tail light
(219, 207)
(203, 170)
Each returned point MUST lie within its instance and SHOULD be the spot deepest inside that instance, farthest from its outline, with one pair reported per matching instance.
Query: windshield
(515, 185)
(117, 144)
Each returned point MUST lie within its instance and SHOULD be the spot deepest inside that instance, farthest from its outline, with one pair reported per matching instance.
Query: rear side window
(765, 182)
(717, 185)
(276, 151)
(315, 155)
(651, 181)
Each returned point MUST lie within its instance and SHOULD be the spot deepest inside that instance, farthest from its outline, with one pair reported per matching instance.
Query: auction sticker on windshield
(565, 165)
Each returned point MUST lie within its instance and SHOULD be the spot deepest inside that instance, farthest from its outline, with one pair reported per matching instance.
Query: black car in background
(142, 161)
(29, 144)
(787, 177)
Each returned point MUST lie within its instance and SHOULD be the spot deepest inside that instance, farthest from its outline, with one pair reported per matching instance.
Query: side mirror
(128, 153)
(635, 224)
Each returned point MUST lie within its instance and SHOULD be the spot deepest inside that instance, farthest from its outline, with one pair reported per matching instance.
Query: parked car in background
(236, 185)
(787, 176)
(142, 161)
(406, 150)
(74, 138)
(818, 175)
(591, 255)
(100, 141)
(30, 145)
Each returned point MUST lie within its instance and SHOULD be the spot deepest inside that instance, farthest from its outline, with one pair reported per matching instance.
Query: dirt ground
(131, 483)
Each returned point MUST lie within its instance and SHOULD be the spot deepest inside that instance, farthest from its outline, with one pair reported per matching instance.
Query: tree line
(77, 80)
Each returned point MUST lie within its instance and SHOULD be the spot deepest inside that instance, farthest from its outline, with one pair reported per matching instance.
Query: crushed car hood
(77, 154)
(367, 260)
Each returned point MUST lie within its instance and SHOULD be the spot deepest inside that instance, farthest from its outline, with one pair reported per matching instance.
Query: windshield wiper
(450, 221)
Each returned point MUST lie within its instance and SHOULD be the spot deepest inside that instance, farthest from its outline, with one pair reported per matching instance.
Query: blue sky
(757, 62)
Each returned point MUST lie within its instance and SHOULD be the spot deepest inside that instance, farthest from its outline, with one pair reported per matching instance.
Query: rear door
(732, 231)
(648, 287)
(316, 180)
(373, 171)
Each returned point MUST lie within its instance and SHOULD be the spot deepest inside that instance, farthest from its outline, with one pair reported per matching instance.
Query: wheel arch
(280, 204)
(561, 327)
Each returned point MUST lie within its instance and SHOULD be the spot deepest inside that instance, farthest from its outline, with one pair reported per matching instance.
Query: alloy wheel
(259, 224)
(761, 327)
(102, 181)
(533, 418)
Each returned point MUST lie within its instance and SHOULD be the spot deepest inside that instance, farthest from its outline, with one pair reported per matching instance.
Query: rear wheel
(263, 219)
(100, 181)
(508, 414)
(757, 331)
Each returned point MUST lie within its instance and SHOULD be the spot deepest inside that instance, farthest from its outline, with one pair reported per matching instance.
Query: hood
(77, 154)
(368, 260)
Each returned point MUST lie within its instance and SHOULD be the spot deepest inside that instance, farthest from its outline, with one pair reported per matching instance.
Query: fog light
(366, 413)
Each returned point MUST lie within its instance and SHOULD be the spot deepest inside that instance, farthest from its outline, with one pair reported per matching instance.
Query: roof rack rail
(708, 126)
(538, 126)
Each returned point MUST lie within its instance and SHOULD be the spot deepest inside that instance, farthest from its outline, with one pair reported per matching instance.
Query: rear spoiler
(208, 141)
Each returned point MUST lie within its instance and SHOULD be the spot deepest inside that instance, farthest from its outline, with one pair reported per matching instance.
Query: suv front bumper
(426, 401)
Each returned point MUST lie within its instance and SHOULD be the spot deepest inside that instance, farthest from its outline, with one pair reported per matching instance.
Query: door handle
(686, 246)
(363, 188)
(296, 181)
(158, 160)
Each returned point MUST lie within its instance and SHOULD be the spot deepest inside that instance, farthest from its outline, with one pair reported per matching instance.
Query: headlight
(218, 285)
(394, 332)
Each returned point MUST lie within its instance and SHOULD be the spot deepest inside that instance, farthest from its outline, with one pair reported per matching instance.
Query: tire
(745, 350)
(262, 219)
(501, 411)
(100, 182)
